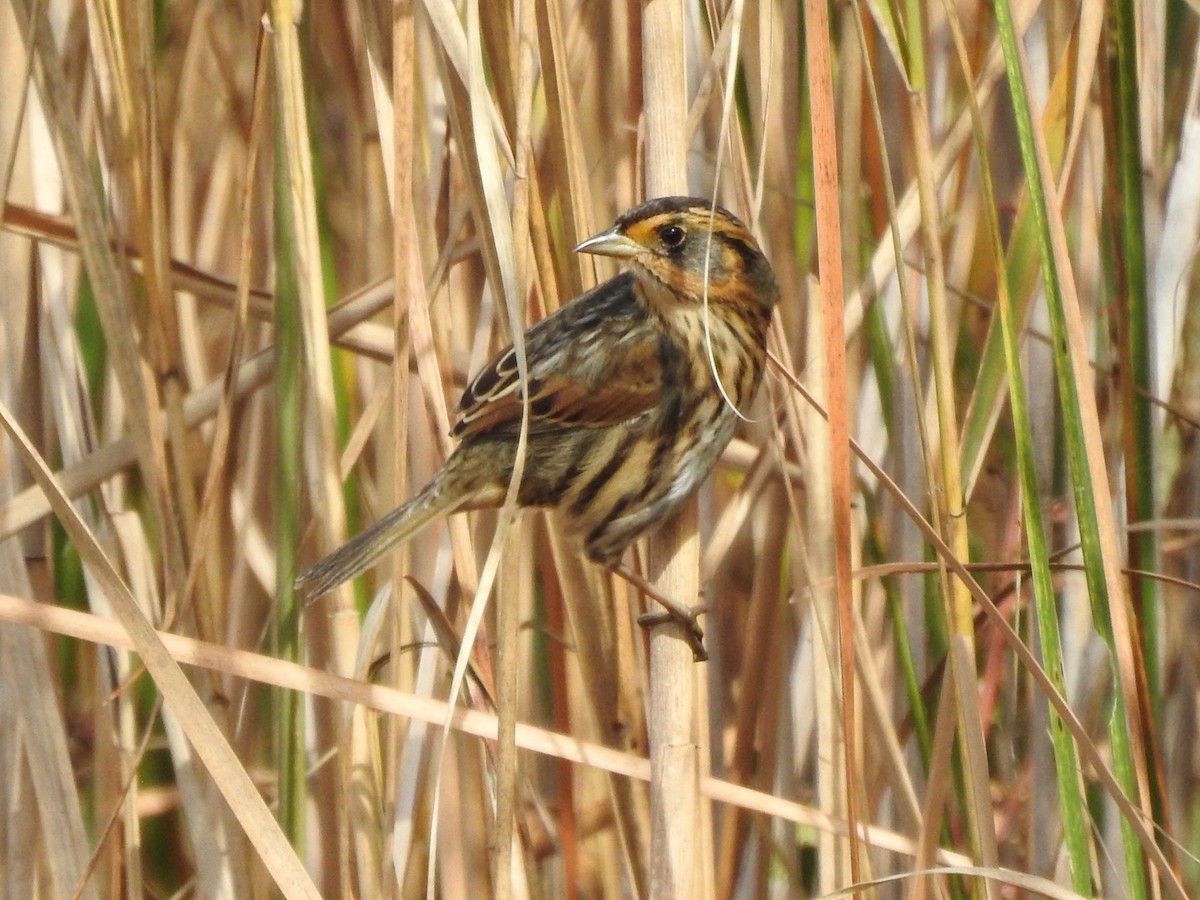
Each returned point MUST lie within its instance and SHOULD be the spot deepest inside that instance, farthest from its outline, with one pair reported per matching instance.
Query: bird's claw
(687, 620)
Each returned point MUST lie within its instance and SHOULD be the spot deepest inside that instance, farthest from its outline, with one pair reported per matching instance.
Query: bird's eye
(672, 235)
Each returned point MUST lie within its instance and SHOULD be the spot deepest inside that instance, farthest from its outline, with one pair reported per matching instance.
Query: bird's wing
(596, 362)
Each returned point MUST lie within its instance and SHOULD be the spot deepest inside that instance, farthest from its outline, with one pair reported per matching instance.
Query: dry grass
(951, 577)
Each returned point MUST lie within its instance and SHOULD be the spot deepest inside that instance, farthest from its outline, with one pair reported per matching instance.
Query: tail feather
(358, 554)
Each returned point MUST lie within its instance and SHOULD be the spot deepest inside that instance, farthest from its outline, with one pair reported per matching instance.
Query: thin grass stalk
(1138, 387)
(1062, 122)
(77, 479)
(949, 513)
(494, 218)
(286, 641)
(876, 705)
(829, 266)
(985, 406)
(1089, 484)
(905, 220)
(119, 322)
(1176, 276)
(587, 597)
(565, 150)
(903, 225)
(124, 40)
(220, 849)
(828, 745)
(423, 708)
(883, 356)
(939, 783)
(112, 300)
(554, 666)
(1072, 802)
(518, 50)
(40, 784)
(1067, 768)
(761, 673)
(219, 759)
(504, 759)
(1091, 755)
(407, 272)
(14, 78)
(674, 549)
(204, 540)
(295, 156)
(334, 634)
(43, 745)
(902, 642)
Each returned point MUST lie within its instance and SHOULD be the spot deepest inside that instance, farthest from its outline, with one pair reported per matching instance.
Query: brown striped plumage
(626, 418)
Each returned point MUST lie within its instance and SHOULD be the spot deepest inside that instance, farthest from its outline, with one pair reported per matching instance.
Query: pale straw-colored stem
(674, 548)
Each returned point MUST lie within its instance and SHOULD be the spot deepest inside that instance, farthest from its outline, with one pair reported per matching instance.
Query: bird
(634, 388)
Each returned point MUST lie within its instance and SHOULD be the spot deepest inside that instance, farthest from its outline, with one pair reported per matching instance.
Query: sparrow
(634, 389)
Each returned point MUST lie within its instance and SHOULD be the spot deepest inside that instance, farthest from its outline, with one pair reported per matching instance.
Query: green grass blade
(1071, 405)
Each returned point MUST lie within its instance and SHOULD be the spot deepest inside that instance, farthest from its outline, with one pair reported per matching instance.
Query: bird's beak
(611, 243)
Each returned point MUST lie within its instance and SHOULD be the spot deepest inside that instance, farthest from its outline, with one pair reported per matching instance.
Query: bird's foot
(673, 612)
(686, 619)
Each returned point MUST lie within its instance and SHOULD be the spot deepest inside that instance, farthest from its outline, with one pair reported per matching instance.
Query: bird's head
(689, 247)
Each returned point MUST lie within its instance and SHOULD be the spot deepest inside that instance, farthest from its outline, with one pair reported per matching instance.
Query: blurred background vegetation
(246, 265)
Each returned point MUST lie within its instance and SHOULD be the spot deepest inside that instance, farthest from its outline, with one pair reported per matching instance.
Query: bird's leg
(674, 611)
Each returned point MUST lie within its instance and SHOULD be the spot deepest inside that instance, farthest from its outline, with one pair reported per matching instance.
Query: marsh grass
(246, 272)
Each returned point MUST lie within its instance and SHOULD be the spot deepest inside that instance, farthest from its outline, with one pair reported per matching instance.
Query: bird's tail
(436, 499)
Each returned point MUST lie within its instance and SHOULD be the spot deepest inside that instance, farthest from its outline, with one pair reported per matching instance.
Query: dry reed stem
(418, 707)
(227, 771)
(674, 549)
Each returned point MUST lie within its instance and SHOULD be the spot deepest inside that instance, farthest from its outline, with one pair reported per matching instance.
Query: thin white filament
(735, 19)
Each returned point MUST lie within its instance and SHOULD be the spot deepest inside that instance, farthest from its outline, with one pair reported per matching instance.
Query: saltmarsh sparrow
(634, 390)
